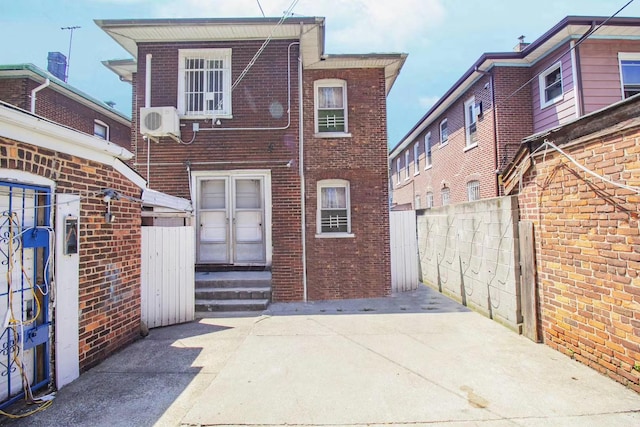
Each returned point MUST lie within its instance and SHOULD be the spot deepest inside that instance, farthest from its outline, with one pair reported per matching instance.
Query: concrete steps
(232, 291)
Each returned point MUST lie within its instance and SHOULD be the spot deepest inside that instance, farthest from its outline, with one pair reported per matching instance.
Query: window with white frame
(416, 158)
(473, 190)
(550, 82)
(417, 202)
(406, 165)
(471, 122)
(204, 82)
(398, 168)
(101, 130)
(445, 193)
(331, 106)
(444, 132)
(629, 73)
(427, 150)
(334, 210)
(429, 200)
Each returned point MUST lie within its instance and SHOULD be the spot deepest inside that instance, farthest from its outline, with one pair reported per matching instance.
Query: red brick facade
(109, 271)
(61, 108)
(587, 244)
(337, 268)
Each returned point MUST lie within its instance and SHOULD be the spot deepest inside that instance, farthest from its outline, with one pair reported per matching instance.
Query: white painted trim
(625, 56)
(24, 127)
(542, 88)
(66, 282)
(265, 174)
(471, 102)
(428, 163)
(129, 173)
(445, 141)
(576, 83)
(416, 159)
(331, 83)
(107, 132)
(333, 183)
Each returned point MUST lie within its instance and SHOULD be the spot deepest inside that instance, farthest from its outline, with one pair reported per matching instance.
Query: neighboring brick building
(57, 243)
(457, 150)
(578, 184)
(26, 87)
(302, 193)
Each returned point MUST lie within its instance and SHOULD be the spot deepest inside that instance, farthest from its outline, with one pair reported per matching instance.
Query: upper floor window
(417, 202)
(473, 190)
(444, 132)
(334, 207)
(406, 164)
(471, 122)
(445, 193)
(398, 168)
(416, 158)
(331, 106)
(427, 150)
(550, 82)
(629, 73)
(101, 130)
(204, 82)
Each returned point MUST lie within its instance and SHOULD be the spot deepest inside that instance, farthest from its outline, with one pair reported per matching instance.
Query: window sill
(416, 173)
(428, 167)
(552, 102)
(332, 135)
(443, 143)
(470, 147)
(335, 236)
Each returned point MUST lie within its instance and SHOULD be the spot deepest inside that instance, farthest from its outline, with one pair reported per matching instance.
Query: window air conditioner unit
(160, 121)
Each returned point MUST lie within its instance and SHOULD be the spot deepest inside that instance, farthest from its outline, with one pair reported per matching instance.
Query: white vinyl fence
(168, 270)
(404, 251)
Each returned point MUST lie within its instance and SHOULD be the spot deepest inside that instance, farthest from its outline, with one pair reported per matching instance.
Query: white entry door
(231, 220)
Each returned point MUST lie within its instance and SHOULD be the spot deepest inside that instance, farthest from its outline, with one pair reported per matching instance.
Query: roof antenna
(66, 72)
(260, 6)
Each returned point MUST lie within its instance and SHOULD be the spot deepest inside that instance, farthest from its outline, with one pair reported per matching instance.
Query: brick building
(33, 89)
(578, 184)
(70, 282)
(301, 192)
(457, 150)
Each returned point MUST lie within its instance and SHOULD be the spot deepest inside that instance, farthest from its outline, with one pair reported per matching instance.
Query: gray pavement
(409, 360)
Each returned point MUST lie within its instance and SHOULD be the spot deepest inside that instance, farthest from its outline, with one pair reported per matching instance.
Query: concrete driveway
(413, 359)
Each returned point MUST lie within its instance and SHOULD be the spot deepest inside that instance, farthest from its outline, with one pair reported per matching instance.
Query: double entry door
(231, 219)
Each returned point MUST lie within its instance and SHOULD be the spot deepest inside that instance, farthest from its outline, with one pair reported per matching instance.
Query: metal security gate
(25, 249)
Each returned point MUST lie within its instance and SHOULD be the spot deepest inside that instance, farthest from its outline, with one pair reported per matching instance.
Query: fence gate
(168, 275)
(404, 251)
(25, 248)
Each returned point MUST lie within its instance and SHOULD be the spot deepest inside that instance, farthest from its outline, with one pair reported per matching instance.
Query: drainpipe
(303, 219)
(46, 83)
(147, 104)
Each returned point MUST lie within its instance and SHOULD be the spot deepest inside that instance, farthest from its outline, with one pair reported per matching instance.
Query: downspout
(147, 104)
(577, 79)
(303, 219)
(495, 129)
(46, 83)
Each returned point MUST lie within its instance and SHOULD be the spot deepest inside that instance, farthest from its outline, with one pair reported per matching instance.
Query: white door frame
(263, 174)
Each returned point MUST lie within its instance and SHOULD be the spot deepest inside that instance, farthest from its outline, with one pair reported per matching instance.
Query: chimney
(57, 65)
(521, 45)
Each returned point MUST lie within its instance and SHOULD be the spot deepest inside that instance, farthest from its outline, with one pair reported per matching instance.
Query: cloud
(427, 102)
(353, 26)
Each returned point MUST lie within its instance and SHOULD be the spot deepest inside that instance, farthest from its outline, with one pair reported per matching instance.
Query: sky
(442, 37)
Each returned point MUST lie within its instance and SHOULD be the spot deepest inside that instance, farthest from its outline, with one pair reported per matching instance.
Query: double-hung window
(204, 82)
(416, 158)
(550, 82)
(629, 73)
(471, 122)
(427, 150)
(331, 106)
(334, 208)
(101, 130)
(445, 195)
(429, 200)
(473, 190)
(406, 165)
(444, 132)
(398, 168)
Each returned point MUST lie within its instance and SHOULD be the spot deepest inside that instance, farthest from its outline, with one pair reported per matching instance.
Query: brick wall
(588, 252)
(357, 267)
(109, 271)
(452, 164)
(61, 109)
